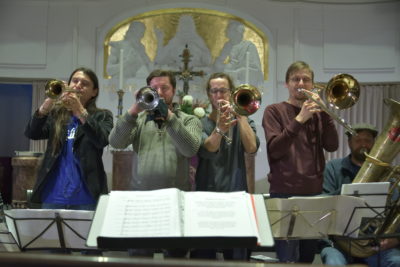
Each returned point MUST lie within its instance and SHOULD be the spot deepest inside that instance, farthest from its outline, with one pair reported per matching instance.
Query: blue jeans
(385, 258)
(68, 207)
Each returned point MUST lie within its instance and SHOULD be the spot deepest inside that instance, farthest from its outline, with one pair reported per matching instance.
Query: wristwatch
(83, 115)
(218, 130)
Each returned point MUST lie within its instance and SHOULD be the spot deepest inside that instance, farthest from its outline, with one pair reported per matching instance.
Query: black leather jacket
(90, 140)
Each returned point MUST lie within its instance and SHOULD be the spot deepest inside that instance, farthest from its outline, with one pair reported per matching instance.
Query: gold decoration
(210, 25)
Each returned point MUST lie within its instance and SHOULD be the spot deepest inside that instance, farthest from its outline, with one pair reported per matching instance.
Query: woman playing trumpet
(72, 174)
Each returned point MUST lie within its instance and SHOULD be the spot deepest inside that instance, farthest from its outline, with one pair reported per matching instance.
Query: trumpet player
(164, 138)
(221, 165)
(72, 174)
(297, 132)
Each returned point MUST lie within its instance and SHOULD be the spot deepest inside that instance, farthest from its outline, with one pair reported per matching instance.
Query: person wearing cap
(343, 171)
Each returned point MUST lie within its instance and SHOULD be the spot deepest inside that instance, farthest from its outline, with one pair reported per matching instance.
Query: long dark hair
(62, 116)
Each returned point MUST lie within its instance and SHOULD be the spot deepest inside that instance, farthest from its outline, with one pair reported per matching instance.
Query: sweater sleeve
(122, 134)
(185, 132)
(330, 139)
(278, 136)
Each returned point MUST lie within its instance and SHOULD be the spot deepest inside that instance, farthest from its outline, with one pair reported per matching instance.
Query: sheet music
(142, 214)
(210, 214)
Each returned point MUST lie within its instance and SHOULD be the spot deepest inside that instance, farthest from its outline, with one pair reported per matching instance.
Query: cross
(186, 74)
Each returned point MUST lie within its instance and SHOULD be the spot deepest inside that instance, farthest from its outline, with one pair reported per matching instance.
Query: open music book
(171, 213)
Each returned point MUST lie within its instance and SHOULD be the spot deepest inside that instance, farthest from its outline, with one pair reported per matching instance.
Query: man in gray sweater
(164, 143)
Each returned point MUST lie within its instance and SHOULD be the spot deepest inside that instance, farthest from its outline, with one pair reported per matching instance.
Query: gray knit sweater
(163, 154)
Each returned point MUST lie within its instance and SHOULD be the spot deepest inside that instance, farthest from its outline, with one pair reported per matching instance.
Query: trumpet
(55, 88)
(341, 92)
(147, 98)
(227, 137)
(246, 99)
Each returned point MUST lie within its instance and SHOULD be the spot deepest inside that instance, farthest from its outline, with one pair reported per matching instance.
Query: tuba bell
(341, 92)
(377, 168)
(246, 99)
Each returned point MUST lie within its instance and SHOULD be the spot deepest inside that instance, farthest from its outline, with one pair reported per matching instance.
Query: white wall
(47, 39)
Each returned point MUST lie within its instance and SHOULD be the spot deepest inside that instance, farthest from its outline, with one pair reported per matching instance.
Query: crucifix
(186, 74)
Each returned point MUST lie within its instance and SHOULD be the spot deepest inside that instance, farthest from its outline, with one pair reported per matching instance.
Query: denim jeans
(385, 258)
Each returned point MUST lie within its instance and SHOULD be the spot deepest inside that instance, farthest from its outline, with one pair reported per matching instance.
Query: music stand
(38, 229)
(311, 217)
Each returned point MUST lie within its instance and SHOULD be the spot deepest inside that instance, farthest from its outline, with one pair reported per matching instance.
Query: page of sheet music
(142, 214)
(219, 214)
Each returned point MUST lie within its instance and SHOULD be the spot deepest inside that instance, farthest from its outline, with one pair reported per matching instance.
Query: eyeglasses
(298, 79)
(215, 91)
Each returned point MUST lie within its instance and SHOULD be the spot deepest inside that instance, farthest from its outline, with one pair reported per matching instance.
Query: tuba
(341, 92)
(377, 168)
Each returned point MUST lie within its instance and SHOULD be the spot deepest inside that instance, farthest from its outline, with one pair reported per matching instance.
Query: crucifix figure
(186, 74)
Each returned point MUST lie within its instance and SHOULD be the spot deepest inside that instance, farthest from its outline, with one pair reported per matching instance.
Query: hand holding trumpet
(309, 106)
(58, 92)
(226, 116)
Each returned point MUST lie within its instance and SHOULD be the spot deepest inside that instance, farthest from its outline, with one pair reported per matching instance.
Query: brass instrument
(55, 88)
(341, 92)
(246, 99)
(377, 168)
(147, 98)
(228, 138)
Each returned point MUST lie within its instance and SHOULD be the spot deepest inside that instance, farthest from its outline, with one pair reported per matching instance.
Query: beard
(360, 154)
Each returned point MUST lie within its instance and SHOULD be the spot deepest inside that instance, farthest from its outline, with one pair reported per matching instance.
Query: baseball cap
(364, 126)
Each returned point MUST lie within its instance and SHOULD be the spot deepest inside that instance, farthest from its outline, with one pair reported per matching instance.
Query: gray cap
(363, 126)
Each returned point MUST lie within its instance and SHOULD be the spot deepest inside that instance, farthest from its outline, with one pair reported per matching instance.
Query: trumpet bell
(342, 91)
(54, 88)
(147, 98)
(246, 99)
